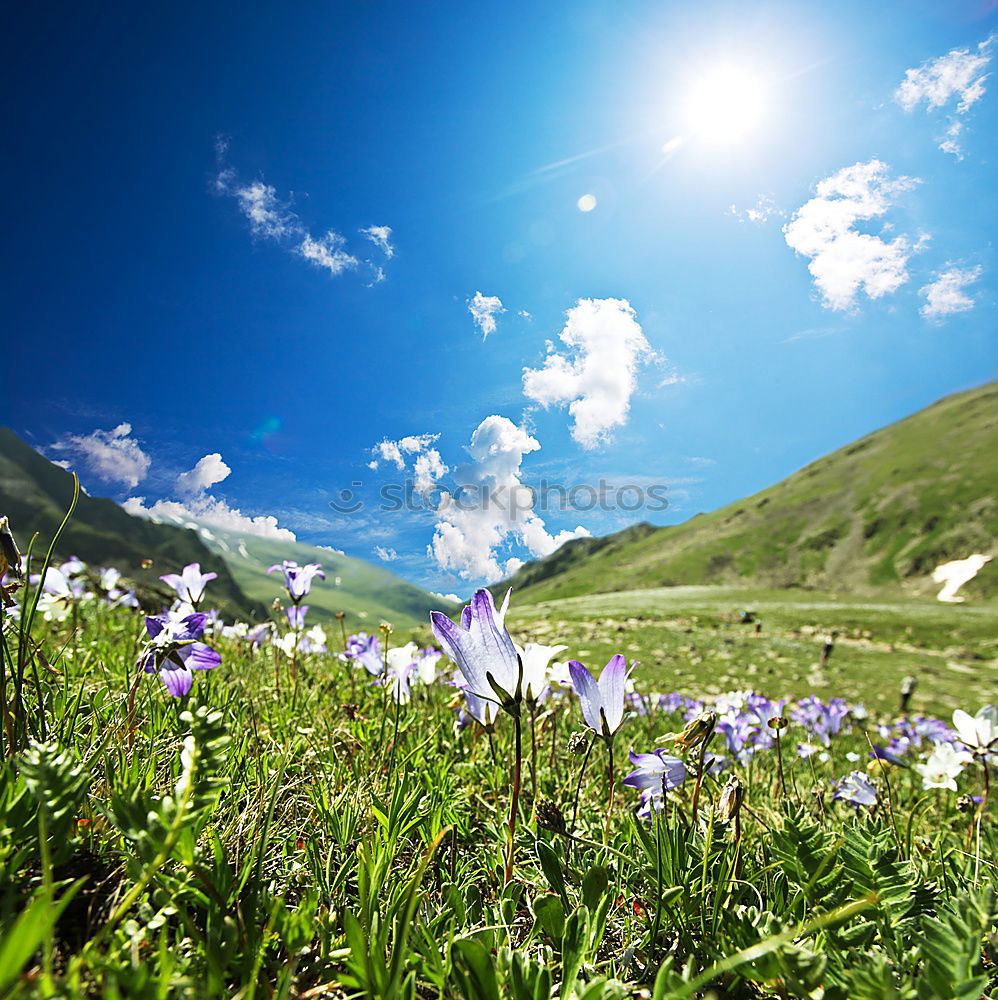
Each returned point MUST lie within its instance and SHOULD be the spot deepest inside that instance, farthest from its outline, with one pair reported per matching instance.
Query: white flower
(536, 658)
(979, 732)
(943, 766)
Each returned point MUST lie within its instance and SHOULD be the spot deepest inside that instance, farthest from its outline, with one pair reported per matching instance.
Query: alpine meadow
(500, 502)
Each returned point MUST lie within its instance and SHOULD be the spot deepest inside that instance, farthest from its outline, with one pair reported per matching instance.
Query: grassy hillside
(367, 594)
(878, 515)
(36, 495)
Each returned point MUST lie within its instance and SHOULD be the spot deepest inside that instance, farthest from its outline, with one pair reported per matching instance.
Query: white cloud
(273, 219)
(395, 451)
(429, 468)
(386, 555)
(946, 296)
(199, 505)
(381, 237)
(957, 77)
(598, 381)
(209, 470)
(332, 548)
(484, 309)
(209, 510)
(845, 261)
(763, 209)
(113, 456)
(327, 252)
(493, 508)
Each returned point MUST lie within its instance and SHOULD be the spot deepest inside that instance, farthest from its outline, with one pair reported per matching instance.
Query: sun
(724, 104)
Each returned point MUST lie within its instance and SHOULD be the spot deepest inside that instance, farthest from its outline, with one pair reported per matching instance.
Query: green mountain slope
(366, 594)
(36, 495)
(879, 514)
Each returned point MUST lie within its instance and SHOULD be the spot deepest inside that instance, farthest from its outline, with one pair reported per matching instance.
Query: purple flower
(298, 579)
(483, 711)
(174, 650)
(399, 677)
(296, 616)
(189, 583)
(602, 701)
(259, 634)
(366, 650)
(482, 649)
(656, 771)
(857, 789)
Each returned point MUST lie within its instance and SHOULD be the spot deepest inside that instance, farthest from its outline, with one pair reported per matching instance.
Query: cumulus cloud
(946, 295)
(271, 218)
(598, 375)
(385, 555)
(844, 260)
(484, 309)
(209, 471)
(381, 237)
(955, 78)
(113, 456)
(428, 467)
(492, 508)
(200, 506)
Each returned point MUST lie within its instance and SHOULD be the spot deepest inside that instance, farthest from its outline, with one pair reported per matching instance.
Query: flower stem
(696, 787)
(533, 753)
(514, 799)
(609, 807)
(578, 788)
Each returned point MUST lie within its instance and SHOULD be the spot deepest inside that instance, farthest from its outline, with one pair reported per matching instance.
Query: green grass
(280, 836)
(690, 639)
(874, 517)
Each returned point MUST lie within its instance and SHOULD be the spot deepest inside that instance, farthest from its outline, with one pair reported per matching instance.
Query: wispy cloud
(113, 456)
(484, 309)
(845, 261)
(272, 218)
(957, 77)
(597, 375)
(946, 295)
(384, 554)
(762, 211)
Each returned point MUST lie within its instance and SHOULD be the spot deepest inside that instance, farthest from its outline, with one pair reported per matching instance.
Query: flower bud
(778, 722)
(730, 802)
(577, 743)
(550, 816)
(698, 732)
(10, 558)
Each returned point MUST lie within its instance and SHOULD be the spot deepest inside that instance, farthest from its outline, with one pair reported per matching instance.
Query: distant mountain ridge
(878, 514)
(36, 494)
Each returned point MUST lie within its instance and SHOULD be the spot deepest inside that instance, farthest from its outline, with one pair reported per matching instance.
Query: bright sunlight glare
(724, 104)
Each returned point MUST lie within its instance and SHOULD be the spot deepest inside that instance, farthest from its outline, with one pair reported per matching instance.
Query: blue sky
(172, 295)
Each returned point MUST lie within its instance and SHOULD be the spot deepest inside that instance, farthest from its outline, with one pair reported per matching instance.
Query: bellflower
(174, 650)
(482, 649)
(298, 579)
(602, 701)
(366, 650)
(656, 771)
(296, 616)
(190, 583)
(855, 788)
(313, 641)
(483, 711)
(943, 766)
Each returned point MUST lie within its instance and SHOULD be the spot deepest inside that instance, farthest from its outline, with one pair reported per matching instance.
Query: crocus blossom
(602, 701)
(190, 583)
(174, 650)
(298, 579)
(482, 648)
